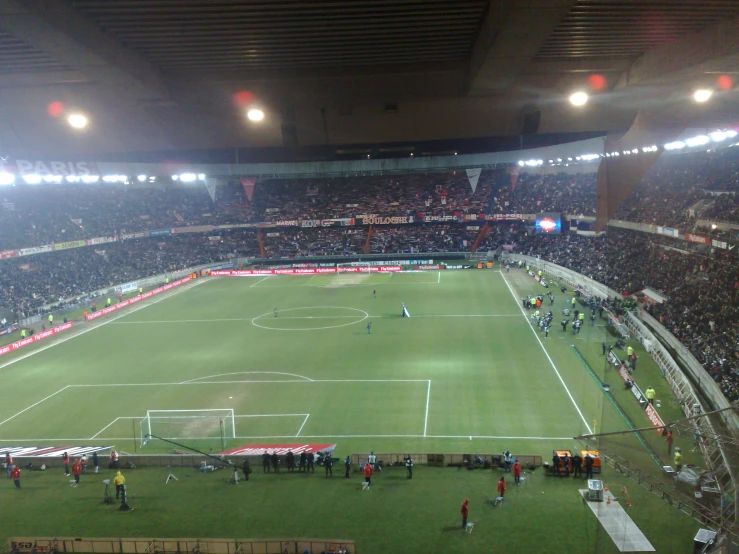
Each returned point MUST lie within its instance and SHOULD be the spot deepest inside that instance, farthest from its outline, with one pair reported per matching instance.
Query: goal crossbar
(183, 424)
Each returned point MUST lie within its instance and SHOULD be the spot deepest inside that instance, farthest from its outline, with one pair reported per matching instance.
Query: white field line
(92, 328)
(426, 419)
(438, 281)
(245, 373)
(546, 354)
(252, 382)
(260, 280)
(307, 317)
(33, 405)
(303, 425)
(104, 428)
(451, 437)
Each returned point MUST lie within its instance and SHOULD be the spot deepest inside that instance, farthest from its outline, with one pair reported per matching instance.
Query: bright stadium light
(7, 179)
(201, 176)
(77, 120)
(702, 95)
(579, 98)
(141, 178)
(700, 140)
(175, 177)
(676, 145)
(32, 179)
(90, 178)
(255, 114)
(188, 177)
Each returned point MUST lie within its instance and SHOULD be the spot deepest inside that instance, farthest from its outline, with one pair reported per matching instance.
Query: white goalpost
(189, 424)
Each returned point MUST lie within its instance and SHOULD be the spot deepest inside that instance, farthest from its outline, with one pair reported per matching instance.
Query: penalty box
(262, 408)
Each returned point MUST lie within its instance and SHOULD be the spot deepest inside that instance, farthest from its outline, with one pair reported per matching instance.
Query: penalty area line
(554, 367)
(303, 425)
(451, 437)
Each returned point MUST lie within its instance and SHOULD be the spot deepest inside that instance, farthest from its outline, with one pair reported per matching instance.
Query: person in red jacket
(76, 470)
(501, 488)
(65, 463)
(516, 473)
(465, 511)
(367, 472)
(15, 475)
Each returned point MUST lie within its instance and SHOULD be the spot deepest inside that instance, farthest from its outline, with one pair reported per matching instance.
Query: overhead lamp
(7, 178)
(141, 178)
(77, 120)
(255, 114)
(702, 95)
(188, 177)
(699, 140)
(32, 179)
(579, 98)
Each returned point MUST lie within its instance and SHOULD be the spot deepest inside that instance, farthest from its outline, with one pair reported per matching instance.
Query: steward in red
(367, 472)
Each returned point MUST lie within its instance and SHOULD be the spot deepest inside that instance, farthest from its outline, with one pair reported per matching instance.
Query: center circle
(314, 318)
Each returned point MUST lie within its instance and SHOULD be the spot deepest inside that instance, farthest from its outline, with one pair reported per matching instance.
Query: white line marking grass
(450, 437)
(303, 425)
(33, 405)
(426, 419)
(260, 280)
(245, 373)
(554, 367)
(304, 317)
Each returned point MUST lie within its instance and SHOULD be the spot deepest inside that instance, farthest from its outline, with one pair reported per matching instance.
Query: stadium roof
(162, 75)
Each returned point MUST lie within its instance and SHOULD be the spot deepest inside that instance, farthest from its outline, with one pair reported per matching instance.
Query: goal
(188, 424)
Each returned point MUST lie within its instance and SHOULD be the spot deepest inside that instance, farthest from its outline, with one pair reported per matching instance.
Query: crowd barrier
(305, 271)
(125, 545)
(443, 460)
(12, 347)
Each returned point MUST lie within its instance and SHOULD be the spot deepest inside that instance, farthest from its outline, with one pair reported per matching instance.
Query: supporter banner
(473, 175)
(473, 227)
(273, 234)
(387, 220)
(36, 250)
(698, 239)
(100, 240)
(352, 205)
(51, 451)
(77, 221)
(38, 167)
(248, 184)
(505, 217)
(160, 232)
(286, 223)
(8, 254)
(70, 244)
(128, 287)
(271, 210)
(310, 223)
(126, 303)
(279, 449)
(214, 238)
(341, 222)
(433, 218)
(140, 235)
(34, 338)
(668, 231)
(429, 267)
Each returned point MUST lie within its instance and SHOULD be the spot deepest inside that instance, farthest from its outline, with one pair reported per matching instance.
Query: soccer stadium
(369, 276)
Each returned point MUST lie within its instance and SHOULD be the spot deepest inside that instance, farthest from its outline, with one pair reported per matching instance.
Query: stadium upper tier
(676, 189)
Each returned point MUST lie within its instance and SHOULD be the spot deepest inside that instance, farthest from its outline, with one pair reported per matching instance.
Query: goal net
(188, 424)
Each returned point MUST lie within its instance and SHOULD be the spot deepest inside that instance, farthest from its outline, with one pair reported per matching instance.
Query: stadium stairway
(481, 236)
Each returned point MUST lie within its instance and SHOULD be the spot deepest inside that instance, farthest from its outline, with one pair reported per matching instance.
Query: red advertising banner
(248, 184)
(130, 301)
(34, 338)
(8, 254)
(699, 239)
(307, 271)
(279, 449)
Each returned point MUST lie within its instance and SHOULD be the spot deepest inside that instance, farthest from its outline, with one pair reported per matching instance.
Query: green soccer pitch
(465, 367)
(466, 373)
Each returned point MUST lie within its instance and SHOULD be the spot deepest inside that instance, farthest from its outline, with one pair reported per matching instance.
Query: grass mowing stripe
(546, 354)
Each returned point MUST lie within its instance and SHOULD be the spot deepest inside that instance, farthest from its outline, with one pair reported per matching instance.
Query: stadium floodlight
(702, 95)
(521, 162)
(7, 179)
(255, 114)
(559, 159)
(72, 179)
(579, 98)
(32, 179)
(90, 178)
(141, 178)
(700, 140)
(589, 157)
(718, 136)
(201, 176)
(175, 177)
(676, 145)
(188, 177)
(77, 120)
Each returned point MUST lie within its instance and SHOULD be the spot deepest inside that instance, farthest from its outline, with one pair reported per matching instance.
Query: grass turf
(464, 374)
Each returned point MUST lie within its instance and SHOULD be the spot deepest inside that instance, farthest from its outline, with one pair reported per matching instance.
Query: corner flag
(406, 313)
